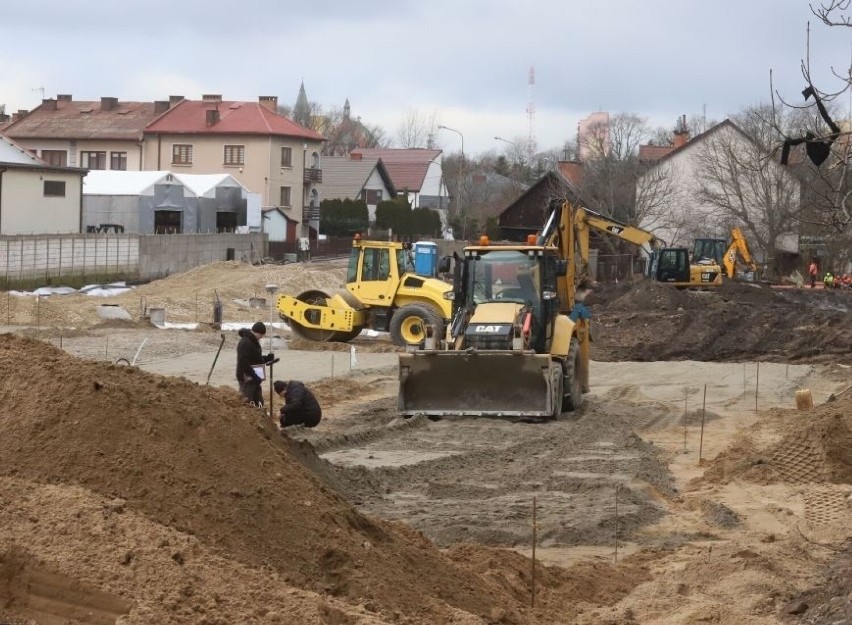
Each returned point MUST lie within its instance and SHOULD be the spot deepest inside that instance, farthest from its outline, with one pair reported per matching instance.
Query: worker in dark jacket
(300, 406)
(249, 356)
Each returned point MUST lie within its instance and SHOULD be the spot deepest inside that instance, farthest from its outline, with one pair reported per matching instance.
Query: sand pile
(815, 446)
(151, 473)
(188, 296)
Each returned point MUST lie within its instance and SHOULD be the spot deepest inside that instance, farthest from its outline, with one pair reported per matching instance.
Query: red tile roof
(241, 118)
(654, 152)
(406, 167)
(83, 120)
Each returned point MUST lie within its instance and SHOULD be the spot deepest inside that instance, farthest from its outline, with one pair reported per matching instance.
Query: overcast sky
(465, 61)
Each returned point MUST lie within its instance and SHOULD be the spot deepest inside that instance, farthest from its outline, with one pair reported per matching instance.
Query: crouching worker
(300, 406)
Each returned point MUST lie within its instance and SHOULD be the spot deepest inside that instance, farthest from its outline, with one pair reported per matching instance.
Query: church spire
(302, 110)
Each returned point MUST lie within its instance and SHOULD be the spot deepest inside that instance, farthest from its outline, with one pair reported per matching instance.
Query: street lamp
(461, 177)
(512, 143)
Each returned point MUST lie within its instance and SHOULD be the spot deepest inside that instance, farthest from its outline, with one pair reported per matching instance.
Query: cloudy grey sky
(465, 61)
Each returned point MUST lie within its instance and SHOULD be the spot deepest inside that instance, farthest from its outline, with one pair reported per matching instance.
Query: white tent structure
(160, 202)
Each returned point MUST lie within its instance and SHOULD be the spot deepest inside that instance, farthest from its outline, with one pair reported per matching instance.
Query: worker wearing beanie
(300, 406)
(249, 355)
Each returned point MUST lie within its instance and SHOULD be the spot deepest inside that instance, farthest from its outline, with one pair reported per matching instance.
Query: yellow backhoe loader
(518, 341)
(728, 255)
(383, 293)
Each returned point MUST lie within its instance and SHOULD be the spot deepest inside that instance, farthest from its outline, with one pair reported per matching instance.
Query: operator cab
(706, 250)
(669, 265)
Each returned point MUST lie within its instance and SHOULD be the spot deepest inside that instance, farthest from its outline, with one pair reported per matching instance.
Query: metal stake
(533, 554)
(701, 440)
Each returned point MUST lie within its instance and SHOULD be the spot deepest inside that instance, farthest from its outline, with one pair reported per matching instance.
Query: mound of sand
(206, 475)
(815, 446)
(187, 297)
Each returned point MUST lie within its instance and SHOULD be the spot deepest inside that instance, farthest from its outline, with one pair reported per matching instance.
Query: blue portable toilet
(426, 259)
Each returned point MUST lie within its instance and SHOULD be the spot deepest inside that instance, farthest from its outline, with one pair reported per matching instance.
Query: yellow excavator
(518, 341)
(728, 255)
(383, 292)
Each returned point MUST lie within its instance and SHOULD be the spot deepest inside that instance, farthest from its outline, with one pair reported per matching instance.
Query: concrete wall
(162, 255)
(76, 259)
(66, 259)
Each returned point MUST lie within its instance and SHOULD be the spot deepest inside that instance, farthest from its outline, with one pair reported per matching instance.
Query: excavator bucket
(479, 382)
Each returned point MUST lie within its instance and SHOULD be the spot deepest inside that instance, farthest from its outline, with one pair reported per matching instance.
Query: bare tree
(827, 145)
(611, 167)
(739, 182)
(659, 203)
(417, 130)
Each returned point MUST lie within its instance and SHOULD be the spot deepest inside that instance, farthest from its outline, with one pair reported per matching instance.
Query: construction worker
(828, 280)
(251, 362)
(300, 406)
(813, 270)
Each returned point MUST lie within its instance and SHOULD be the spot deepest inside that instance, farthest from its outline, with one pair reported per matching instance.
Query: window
(286, 157)
(285, 196)
(375, 265)
(181, 154)
(374, 196)
(55, 158)
(235, 154)
(93, 160)
(54, 188)
(118, 161)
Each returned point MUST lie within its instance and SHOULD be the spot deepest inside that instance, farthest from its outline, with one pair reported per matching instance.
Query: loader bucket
(478, 382)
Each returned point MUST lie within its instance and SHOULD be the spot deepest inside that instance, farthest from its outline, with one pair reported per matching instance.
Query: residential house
(161, 202)
(37, 198)
(266, 152)
(671, 191)
(105, 134)
(527, 214)
(414, 172)
(361, 179)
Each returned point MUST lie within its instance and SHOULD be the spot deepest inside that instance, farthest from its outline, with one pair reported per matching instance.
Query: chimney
(19, 115)
(48, 104)
(108, 104)
(64, 97)
(174, 99)
(269, 102)
(211, 97)
(355, 156)
(681, 133)
(212, 117)
(160, 106)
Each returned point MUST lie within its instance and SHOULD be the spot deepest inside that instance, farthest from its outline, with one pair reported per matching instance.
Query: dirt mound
(187, 297)
(737, 322)
(215, 473)
(646, 295)
(816, 446)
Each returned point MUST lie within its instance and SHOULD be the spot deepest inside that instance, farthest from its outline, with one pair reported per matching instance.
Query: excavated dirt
(647, 321)
(127, 497)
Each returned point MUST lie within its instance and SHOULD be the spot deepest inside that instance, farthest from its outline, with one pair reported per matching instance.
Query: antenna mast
(531, 144)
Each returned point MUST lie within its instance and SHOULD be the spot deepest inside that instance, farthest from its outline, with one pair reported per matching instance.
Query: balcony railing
(313, 175)
(311, 213)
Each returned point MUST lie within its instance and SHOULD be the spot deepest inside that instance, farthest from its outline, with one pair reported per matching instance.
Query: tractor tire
(557, 382)
(572, 399)
(408, 324)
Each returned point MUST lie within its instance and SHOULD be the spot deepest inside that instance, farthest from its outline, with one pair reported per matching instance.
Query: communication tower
(531, 143)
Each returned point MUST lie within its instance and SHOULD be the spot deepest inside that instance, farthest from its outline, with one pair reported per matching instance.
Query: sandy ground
(684, 492)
